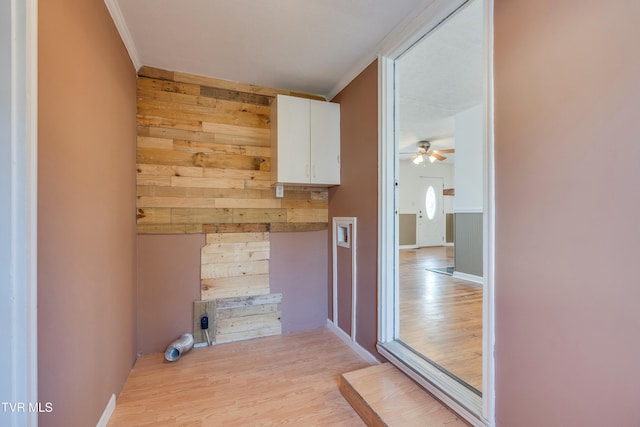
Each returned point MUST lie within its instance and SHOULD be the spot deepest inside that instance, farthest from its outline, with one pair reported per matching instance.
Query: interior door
(431, 227)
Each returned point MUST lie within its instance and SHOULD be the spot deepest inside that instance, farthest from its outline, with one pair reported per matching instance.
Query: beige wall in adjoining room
(567, 103)
(86, 205)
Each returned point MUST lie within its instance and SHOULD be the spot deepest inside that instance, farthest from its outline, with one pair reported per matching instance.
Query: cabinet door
(293, 140)
(325, 142)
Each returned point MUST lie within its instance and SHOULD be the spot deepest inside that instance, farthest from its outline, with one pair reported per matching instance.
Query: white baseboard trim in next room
(468, 277)
(352, 344)
(108, 411)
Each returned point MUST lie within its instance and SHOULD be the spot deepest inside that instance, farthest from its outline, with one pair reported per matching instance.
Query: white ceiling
(314, 46)
(441, 76)
(300, 45)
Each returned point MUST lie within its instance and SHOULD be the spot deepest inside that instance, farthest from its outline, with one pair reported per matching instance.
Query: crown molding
(123, 30)
(426, 15)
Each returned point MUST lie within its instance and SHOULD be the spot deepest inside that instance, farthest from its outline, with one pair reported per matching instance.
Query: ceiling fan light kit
(424, 150)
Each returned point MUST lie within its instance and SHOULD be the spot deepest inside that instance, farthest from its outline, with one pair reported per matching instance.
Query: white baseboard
(352, 344)
(408, 247)
(468, 277)
(108, 411)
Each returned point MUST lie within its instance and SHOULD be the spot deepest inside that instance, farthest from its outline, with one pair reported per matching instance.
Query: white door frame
(345, 235)
(19, 362)
(398, 43)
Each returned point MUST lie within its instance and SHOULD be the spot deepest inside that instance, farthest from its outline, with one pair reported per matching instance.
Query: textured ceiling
(439, 77)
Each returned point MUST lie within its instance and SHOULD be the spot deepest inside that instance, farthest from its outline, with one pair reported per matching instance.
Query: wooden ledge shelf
(273, 227)
(269, 227)
(384, 396)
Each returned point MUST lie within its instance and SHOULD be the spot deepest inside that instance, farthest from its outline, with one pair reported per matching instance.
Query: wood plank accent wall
(244, 318)
(235, 279)
(234, 265)
(204, 159)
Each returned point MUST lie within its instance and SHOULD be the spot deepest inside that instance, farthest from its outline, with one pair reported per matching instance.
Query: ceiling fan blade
(436, 155)
(446, 151)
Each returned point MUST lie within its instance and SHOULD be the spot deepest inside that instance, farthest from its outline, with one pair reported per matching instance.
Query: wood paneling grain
(298, 226)
(217, 83)
(235, 275)
(247, 311)
(227, 287)
(238, 238)
(235, 265)
(236, 228)
(204, 158)
(200, 216)
(233, 269)
(247, 323)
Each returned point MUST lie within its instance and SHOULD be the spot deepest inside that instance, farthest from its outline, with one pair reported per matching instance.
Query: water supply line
(179, 347)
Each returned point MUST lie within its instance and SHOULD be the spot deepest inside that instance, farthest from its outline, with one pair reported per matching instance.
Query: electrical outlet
(279, 190)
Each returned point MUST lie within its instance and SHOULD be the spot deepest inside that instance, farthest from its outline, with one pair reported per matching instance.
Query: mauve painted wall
(86, 211)
(567, 126)
(344, 260)
(298, 269)
(358, 193)
(168, 284)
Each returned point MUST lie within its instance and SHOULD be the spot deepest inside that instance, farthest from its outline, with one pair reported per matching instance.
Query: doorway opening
(434, 326)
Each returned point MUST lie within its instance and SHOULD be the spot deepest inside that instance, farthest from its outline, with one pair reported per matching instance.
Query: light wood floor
(281, 380)
(441, 316)
(384, 396)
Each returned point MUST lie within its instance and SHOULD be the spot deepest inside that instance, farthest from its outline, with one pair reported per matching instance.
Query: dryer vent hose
(179, 347)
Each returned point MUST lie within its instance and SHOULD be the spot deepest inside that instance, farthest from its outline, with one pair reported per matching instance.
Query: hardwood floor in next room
(441, 316)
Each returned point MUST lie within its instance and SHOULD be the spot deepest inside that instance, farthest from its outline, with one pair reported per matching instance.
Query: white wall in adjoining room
(469, 160)
(411, 197)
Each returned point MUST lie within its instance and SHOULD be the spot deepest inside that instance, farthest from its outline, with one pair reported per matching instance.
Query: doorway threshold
(462, 399)
(384, 396)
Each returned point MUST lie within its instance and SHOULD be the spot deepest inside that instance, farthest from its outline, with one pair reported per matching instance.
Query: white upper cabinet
(305, 141)
(325, 142)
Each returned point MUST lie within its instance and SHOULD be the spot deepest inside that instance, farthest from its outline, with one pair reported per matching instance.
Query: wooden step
(384, 396)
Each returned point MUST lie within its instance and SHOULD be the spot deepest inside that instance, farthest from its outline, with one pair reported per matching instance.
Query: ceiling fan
(424, 150)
